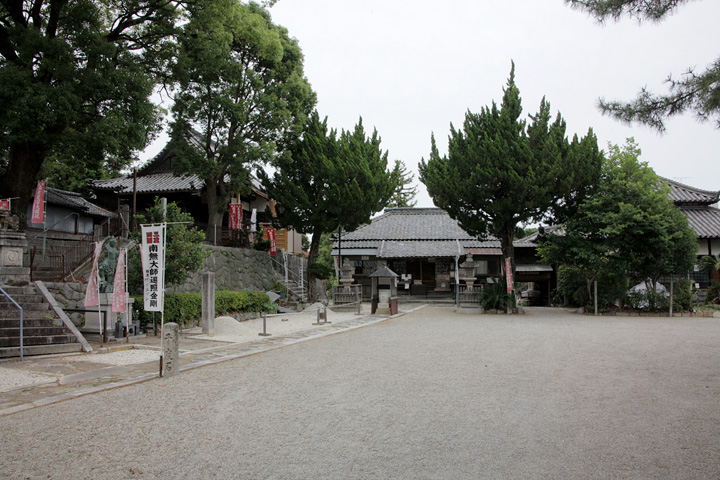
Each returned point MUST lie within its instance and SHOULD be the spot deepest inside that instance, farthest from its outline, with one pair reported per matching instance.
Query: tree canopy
(76, 80)
(628, 225)
(692, 91)
(241, 98)
(185, 250)
(404, 194)
(500, 171)
(330, 180)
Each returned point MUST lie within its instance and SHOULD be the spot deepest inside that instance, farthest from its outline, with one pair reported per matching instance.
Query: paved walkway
(428, 395)
(78, 379)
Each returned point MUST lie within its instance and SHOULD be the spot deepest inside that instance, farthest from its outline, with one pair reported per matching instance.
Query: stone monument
(171, 349)
(12, 248)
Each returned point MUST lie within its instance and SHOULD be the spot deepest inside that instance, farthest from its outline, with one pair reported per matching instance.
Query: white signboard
(153, 261)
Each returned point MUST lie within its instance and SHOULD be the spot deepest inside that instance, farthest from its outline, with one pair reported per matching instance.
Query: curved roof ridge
(682, 193)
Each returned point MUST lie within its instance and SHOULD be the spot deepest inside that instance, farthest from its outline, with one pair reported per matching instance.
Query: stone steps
(42, 332)
(12, 352)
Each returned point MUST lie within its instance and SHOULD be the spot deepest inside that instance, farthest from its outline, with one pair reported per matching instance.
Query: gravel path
(16, 374)
(431, 395)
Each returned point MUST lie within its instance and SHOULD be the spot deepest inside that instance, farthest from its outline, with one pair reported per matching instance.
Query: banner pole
(128, 312)
(100, 317)
(44, 219)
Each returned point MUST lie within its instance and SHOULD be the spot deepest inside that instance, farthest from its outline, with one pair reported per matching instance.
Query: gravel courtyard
(430, 395)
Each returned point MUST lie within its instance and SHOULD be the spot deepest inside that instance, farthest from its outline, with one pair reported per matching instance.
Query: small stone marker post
(208, 303)
(171, 349)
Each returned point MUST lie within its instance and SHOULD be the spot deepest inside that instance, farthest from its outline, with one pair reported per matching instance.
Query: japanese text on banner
(153, 261)
(508, 275)
(38, 207)
(271, 236)
(236, 215)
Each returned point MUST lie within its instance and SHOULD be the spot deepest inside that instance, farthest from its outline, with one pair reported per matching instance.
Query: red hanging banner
(271, 237)
(91, 293)
(5, 204)
(38, 207)
(119, 300)
(236, 215)
(508, 275)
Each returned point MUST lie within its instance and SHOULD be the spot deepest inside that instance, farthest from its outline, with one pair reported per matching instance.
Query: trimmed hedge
(184, 308)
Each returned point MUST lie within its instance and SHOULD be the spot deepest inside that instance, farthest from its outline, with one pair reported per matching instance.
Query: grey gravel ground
(431, 395)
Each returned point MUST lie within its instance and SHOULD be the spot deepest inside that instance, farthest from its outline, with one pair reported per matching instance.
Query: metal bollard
(264, 332)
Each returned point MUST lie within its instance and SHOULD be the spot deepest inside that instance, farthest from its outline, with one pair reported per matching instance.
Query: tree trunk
(508, 250)
(213, 233)
(21, 177)
(312, 259)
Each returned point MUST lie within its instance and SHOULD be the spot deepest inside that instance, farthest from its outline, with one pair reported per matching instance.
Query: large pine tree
(498, 173)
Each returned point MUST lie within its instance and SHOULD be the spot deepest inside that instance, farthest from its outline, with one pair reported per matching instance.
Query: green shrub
(495, 296)
(682, 296)
(262, 245)
(612, 286)
(278, 287)
(186, 308)
(243, 301)
(712, 296)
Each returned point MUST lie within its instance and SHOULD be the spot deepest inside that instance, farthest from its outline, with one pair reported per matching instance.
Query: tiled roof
(685, 195)
(415, 232)
(410, 224)
(704, 220)
(75, 201)
(159, 182)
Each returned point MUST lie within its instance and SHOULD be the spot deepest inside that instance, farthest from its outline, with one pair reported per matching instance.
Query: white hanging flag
(153, 261)
(253, 221)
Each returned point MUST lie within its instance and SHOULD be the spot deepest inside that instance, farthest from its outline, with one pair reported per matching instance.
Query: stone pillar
(208, 303)
(171, 349)
(12, 247)
(125, 219)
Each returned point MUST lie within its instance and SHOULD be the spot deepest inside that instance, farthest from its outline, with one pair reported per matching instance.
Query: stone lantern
(346, 273)
(384, 291)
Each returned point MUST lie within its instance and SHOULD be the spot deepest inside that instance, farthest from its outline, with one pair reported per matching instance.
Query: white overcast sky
(410, 68)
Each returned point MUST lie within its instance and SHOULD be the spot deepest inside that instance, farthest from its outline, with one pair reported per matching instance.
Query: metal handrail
(21, 319)
(290, 271)
(78, 253)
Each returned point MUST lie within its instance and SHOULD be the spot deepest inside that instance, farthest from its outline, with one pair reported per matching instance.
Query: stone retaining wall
(69, 296)
(235, 269)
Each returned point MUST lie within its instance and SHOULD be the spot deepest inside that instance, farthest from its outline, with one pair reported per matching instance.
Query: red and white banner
(5, 204)
(153, 262)
(119, 295)
(236, 216)
(92, 291)
(508, 275)
(271, 236)
(38, 207)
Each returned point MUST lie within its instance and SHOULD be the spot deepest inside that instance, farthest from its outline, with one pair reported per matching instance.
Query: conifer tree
(328, 180)
(498, 173)
(404, 195)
